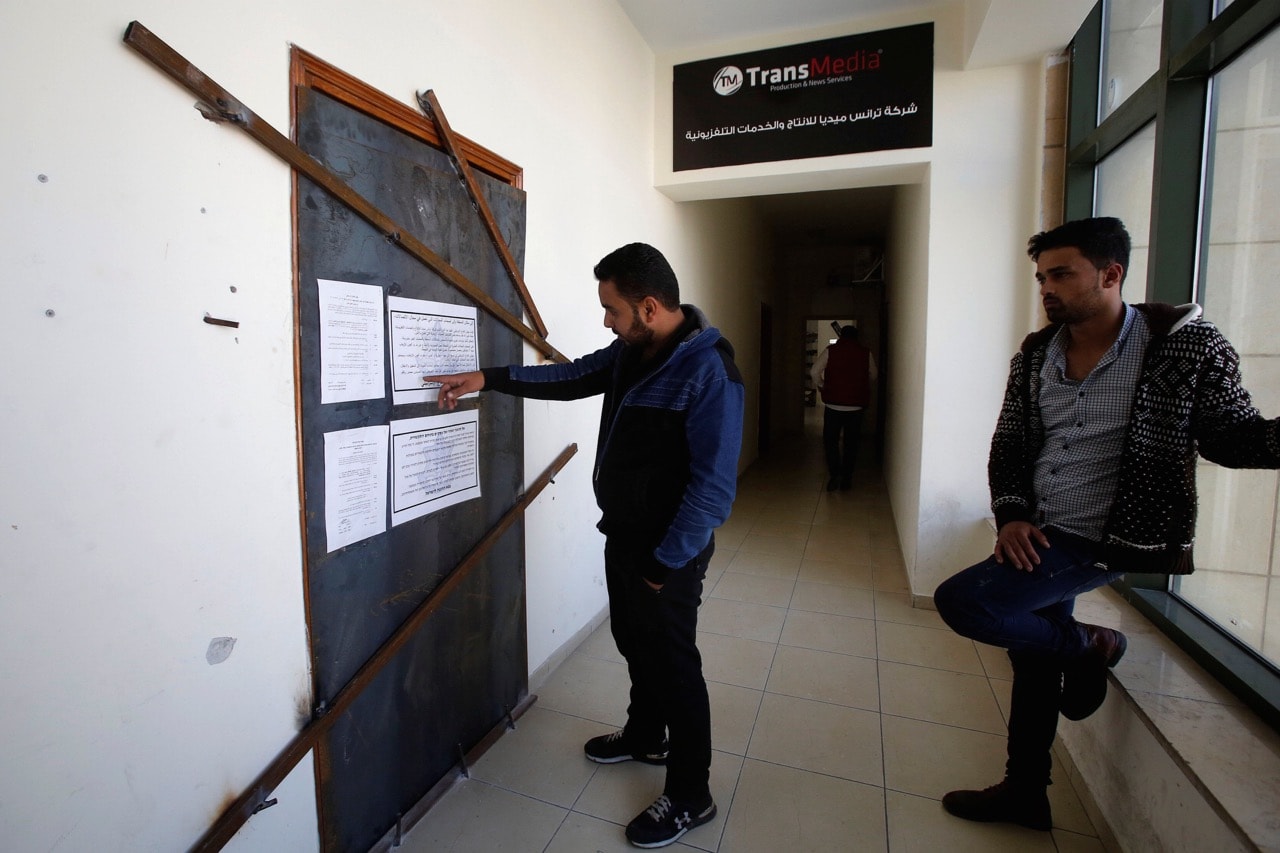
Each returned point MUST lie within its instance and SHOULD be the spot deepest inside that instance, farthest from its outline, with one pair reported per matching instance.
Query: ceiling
(998, 32)
(678, 24)
(833, 217)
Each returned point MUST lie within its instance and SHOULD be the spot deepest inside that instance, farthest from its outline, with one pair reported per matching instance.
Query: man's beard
(637, 334)
(1087, 307)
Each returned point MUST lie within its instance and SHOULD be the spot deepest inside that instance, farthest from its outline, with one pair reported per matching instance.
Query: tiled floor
(840, 714)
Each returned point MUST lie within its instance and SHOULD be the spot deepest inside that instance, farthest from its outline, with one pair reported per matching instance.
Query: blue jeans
(1030, 614)
(995, 603)
(656, 633)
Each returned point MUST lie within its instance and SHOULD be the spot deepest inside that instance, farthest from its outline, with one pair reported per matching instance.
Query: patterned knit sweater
(1188, 400)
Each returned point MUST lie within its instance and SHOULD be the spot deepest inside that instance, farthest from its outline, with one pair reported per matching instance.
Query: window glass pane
(1237, 582)
(1124, 181)
(1219, 6)
(1130, 49)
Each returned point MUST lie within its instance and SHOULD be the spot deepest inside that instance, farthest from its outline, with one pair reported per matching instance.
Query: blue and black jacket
(670, 433)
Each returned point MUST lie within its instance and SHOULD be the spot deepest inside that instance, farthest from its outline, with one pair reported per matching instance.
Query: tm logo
(727, 80)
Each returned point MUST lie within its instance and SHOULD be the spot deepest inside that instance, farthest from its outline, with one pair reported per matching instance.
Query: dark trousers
(837, 425)
(656, 634)
(1030, 614)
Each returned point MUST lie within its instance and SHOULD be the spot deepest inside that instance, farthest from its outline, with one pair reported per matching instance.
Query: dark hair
(638, 270)
(850, 331)
(1102, 239)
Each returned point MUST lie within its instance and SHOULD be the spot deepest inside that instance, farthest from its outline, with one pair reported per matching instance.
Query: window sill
(1227, 755)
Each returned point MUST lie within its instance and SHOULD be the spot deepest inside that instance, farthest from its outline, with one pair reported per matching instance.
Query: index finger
(1006, 551)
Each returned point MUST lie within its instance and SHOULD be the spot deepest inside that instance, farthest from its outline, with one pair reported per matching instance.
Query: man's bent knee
(961, 610)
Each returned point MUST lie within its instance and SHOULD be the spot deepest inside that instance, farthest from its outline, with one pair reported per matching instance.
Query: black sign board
(866, 92)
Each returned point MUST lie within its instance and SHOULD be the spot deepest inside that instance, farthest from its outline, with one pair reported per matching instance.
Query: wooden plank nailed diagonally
(239, 811)
(217, 104)
(431, 106)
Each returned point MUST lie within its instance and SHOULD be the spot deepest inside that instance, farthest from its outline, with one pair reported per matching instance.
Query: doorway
(868, 313)
(462, 675)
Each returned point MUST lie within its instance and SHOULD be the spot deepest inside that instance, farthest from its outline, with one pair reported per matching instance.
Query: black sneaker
(665, 822)
(1004, 803)
(610, 749)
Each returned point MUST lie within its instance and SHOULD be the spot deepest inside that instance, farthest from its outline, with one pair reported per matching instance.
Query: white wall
(907, 270)
(150, 495)
(983, 193)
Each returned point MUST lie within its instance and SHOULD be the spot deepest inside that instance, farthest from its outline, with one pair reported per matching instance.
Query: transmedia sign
(866, 92)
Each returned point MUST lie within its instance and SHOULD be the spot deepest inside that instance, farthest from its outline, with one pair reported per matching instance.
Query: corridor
(840, 714)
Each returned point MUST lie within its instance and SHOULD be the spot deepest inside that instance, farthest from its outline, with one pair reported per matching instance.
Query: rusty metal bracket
(265, 804)
(220, 113)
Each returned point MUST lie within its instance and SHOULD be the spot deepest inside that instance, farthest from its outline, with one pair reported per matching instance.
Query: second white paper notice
(435, 463)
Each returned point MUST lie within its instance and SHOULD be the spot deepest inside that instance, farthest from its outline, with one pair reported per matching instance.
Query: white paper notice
(435, 463)
(428, 339)
(351, 342)
(355, 485)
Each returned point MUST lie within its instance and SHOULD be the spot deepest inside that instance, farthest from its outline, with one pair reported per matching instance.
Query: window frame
(1194, 46)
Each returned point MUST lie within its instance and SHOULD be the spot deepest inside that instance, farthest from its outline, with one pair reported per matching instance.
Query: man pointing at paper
(665, 476)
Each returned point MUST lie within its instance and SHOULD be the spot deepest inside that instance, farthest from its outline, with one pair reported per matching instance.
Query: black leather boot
(1084, 681)
(1007, 802)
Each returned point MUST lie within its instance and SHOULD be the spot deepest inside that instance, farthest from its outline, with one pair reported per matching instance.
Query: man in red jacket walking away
(843, 374)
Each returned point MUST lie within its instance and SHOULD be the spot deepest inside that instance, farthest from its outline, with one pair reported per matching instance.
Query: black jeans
(656, 634)
(840, 464)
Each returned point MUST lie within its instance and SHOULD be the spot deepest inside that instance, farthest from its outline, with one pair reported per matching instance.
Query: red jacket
(846, 380)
